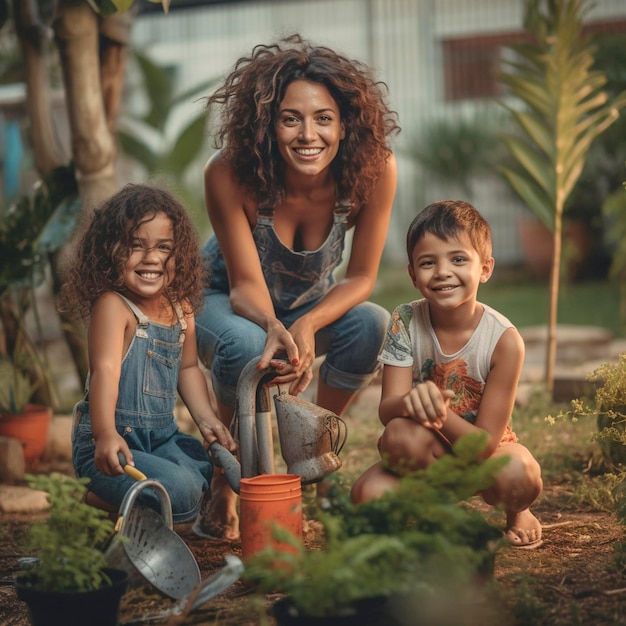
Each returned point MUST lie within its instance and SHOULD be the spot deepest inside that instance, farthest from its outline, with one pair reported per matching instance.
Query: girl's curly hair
(250, 99)
(105, 246)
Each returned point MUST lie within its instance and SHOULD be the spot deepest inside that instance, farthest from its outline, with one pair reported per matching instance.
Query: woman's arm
(108, 327)
(249, 295)
(193, 390)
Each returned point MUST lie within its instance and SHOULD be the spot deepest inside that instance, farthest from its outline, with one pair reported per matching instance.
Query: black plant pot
(100, 607)
(369, 612)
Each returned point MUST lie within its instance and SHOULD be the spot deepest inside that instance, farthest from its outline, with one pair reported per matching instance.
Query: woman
(304, 159)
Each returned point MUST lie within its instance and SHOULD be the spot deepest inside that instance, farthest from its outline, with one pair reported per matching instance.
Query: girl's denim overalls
(296, 281)
(144, 417)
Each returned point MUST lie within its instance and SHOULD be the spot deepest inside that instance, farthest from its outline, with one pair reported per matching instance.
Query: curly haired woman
(304, 159)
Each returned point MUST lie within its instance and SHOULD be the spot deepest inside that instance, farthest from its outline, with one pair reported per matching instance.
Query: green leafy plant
(458, 149)
(68, 543)
(32, 230)
(417, 539)
(565, 110)
(149, 140)
(16, 389)
(607, 405)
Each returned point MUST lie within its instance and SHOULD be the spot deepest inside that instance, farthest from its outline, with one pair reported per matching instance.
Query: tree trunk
(47, 149)
(94, 150)
(555, 277)
(93, 74)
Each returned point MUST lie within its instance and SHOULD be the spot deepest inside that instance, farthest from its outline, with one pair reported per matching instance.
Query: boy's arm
(192, 387)
(499, 394)
(424, 403)
(397, 382)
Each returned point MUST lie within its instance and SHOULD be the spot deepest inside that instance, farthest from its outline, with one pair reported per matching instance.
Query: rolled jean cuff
(344, 380)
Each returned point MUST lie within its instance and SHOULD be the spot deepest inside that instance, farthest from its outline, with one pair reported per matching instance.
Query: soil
(573, 578)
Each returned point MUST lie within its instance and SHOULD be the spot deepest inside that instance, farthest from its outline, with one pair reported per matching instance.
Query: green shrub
(68, 543)
(417, 539)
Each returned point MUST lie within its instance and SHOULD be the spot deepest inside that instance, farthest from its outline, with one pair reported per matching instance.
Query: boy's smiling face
(448, 273)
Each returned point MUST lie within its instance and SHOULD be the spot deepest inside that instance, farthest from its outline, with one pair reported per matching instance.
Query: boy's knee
(519, 483)
(406, 446)
(372, 485)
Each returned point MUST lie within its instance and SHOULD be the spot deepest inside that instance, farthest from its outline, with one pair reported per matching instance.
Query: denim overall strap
(295, 278)
(142, 320)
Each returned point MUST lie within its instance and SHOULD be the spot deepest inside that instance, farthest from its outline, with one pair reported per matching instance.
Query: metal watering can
(148, 549)
(310, 437)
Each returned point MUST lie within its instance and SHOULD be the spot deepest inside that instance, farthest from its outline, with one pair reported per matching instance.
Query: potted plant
(32, 230)
(20, 417)
(383, 559)
(69, 582)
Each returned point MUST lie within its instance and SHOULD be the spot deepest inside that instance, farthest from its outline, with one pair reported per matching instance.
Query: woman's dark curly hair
(250, 99)
(105, 246)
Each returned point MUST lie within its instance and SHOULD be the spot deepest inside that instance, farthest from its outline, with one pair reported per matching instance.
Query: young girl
(137, 278)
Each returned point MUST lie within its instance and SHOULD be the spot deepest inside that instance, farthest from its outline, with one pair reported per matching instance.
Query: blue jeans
(228, 342)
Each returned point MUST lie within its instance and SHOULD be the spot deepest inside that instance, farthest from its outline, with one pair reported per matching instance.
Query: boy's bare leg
(517, 487)
(373, 483)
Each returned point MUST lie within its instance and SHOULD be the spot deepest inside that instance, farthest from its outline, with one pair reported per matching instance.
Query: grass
(525, 302)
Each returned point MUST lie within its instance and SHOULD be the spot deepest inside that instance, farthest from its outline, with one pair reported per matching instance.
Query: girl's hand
(427, 404)
(216, 431)
(106, 456)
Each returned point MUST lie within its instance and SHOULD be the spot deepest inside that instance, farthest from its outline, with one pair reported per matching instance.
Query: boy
(451, 367)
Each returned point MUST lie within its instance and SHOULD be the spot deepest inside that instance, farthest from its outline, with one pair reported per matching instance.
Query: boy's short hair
(447, 219)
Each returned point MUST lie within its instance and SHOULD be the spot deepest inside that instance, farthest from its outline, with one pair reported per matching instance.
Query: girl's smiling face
(151, 263)
(308, 128)
(448, 273)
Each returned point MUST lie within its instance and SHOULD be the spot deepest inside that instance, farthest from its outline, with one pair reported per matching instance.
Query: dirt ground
(571, 579)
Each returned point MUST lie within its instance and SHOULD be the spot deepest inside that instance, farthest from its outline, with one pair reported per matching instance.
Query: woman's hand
(298, 344)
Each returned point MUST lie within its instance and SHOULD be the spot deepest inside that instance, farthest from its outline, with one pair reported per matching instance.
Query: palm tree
(566, 109)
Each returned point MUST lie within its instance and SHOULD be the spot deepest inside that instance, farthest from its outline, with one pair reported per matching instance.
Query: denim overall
(144, 417)
(297, 281)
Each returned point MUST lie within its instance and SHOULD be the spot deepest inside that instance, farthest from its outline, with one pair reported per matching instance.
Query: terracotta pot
(30, 428)
(100, 607)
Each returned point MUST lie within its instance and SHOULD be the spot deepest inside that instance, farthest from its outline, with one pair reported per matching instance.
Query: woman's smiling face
(308, 128)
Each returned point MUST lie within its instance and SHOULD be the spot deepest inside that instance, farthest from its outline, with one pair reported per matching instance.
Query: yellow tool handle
(129, 469)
